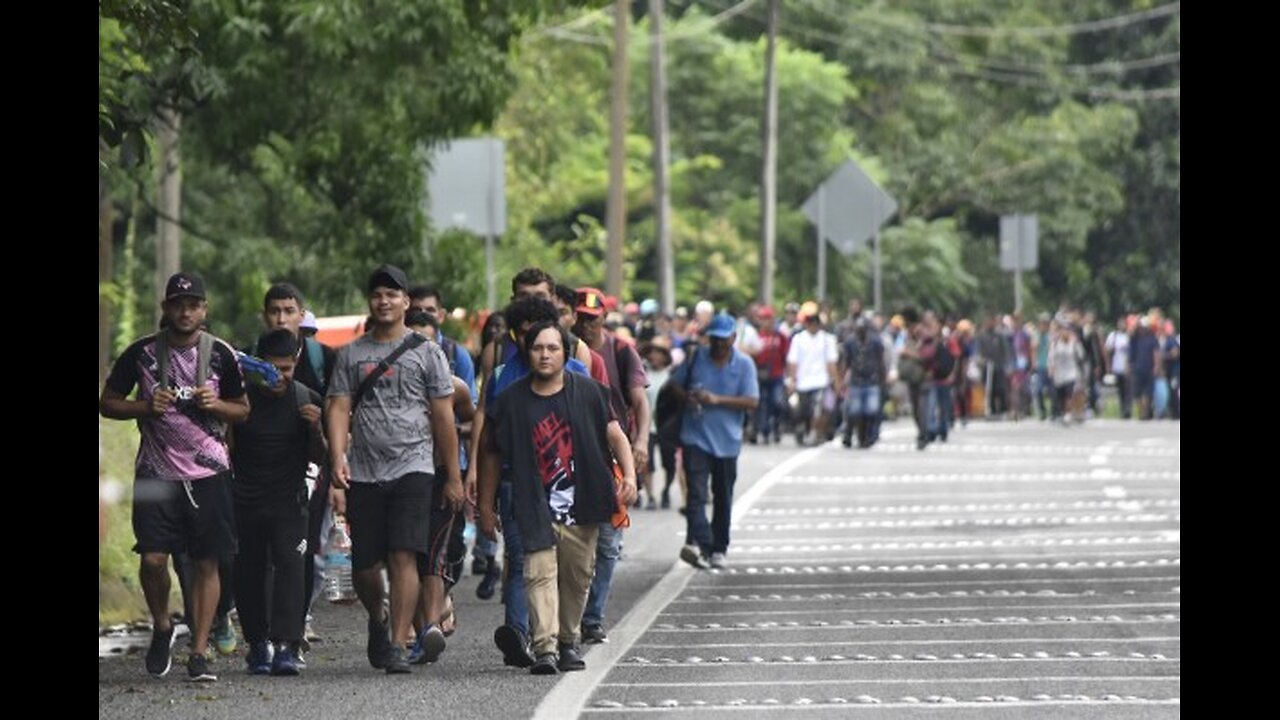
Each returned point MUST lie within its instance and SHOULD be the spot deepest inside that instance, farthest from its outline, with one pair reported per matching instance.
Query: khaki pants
(556, 583)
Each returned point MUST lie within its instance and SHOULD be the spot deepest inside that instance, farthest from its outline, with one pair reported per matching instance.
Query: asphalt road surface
(1020, 570)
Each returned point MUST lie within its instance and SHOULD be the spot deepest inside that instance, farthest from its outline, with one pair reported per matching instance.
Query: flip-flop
(448, 620)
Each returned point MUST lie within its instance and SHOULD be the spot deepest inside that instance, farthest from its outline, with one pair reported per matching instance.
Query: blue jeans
(769, 409)
(723, 472)
(608, 550)
(513, 595)
(939, 411)
(863, 405)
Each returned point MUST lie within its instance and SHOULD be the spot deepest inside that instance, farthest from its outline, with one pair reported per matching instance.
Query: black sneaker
(545, 665)
(160, 655)
(570, 660)
(479, 565)
(489, 583)
(379, 646)
(594, 634)
(514, 647)
(198, 669)
(397, 661)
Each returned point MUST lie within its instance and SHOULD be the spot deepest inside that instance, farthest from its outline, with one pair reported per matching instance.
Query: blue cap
(722, 326)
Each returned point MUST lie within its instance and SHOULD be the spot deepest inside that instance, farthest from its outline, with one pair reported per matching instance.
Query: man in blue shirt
(721, 387)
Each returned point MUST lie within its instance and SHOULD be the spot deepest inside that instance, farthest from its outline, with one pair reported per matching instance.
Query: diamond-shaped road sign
(849, 207)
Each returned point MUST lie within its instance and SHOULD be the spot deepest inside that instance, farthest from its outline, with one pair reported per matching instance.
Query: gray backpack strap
(202, 358)
(162, 360)
(302, 394)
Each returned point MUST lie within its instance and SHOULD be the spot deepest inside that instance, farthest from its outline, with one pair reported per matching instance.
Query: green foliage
(305, 123)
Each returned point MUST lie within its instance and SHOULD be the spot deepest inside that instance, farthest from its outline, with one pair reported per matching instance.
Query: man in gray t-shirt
(382, 458)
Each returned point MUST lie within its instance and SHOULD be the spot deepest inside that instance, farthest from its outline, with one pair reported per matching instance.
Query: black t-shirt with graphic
(553, 447)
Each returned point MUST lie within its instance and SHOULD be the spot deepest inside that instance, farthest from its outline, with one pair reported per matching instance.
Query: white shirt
(810, 353)
(1118, 346)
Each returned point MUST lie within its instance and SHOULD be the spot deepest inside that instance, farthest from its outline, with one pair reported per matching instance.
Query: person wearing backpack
(270, 454)
(630, 403)
(284, 307)
(189, 389)
(941, 370)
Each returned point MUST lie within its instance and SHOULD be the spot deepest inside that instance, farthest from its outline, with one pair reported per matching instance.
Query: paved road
(1019, 570)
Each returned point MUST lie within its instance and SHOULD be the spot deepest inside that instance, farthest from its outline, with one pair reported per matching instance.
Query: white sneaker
(691, 555)
(717, 560)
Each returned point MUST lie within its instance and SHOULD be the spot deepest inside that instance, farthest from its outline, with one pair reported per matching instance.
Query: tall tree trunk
(617, 215)
(168, 202)
(661, 158)
(105, 273)
(769, 173)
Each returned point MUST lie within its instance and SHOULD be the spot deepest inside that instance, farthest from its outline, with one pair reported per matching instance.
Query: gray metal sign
(467, 189)
(467, 186)
(849, 208)
(1019, 242)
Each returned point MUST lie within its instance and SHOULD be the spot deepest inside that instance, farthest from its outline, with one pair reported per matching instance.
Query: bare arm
(115, 406)
(463, 408)
(640, 405)
(338, 428)
(446, 450)
(477, 421)
(621, 447)
(489, 463)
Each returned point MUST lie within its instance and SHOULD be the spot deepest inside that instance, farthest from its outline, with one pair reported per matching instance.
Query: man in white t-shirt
(811, 372)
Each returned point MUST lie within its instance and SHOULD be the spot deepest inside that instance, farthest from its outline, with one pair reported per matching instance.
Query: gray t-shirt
(390, 432)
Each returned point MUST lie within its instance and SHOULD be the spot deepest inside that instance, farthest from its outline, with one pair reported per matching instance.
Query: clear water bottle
(338, 585)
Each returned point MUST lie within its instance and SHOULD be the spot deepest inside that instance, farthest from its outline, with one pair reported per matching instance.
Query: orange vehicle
(339, 330)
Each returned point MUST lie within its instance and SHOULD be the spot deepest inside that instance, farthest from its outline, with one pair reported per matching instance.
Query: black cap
(184, 285)
(388, 276)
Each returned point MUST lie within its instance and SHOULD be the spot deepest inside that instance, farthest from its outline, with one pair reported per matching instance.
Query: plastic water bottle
(338, 585)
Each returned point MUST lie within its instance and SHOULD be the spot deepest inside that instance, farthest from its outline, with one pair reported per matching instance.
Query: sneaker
(285, 663)
(198, 669)
(160, 655)
(397, 661)
(717, 561)
(652, 504)
(224, 635)
(428, 646)
(593, 634)
(545, 665)
(309, 635)
(489, 583)
(379, 646)
(514, 647)
(258, 660)
(570, 660)
(691, 555)
(666, 500)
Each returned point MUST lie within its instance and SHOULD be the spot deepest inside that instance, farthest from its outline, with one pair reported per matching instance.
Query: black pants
(273, 548)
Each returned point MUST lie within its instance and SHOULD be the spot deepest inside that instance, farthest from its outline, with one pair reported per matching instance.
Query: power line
(1068, 29)
(693, 33)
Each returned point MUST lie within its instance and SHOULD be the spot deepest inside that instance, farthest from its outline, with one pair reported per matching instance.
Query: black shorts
(446, 554)
(193, 516)
(388, 516)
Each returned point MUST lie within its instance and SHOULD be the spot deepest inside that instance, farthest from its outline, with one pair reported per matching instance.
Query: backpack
(450, 349)
(944, 363)
(315, 357)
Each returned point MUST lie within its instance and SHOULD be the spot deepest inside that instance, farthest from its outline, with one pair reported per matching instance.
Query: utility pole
(661, 158)
(769, 174)
(617, 220)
